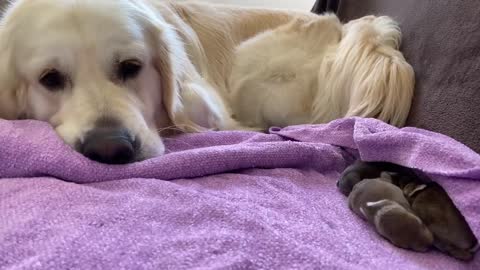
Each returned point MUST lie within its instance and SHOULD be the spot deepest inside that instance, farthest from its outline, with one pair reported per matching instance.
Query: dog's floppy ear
(190, 102)
(8, 100)
(12, 92)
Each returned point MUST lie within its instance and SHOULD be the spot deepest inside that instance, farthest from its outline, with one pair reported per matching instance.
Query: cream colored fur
(322, 70)
(204, 67)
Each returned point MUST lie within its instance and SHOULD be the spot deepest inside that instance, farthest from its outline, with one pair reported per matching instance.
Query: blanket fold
(234, 200)
(31, 149)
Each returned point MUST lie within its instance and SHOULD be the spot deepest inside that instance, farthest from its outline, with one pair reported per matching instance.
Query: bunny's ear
(388, 176)
(371, 208)
(412, 189)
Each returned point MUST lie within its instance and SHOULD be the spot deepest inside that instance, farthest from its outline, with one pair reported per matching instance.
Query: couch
(441, 39)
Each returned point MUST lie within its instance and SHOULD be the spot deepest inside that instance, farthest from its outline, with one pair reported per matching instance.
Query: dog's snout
(109, 145)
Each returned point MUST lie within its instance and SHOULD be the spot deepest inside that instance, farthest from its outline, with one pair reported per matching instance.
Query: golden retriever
(111, 75)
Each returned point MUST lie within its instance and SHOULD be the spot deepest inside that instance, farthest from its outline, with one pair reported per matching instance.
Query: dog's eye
(53, 80)
(129, 69)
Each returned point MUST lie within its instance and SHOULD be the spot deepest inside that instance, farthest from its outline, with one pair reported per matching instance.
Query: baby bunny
(355, 173)
(451, 232)
(360, 170)
(383, 204)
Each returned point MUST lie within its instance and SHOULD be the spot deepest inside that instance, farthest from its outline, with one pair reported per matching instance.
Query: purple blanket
(236, 200)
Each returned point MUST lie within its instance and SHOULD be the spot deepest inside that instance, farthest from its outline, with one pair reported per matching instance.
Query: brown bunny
(451, 232)
(384, 205)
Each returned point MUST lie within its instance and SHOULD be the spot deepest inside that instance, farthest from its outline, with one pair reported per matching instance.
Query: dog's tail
(368, 73)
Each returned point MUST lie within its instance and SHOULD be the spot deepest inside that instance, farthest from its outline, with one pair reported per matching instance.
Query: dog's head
(104, 74)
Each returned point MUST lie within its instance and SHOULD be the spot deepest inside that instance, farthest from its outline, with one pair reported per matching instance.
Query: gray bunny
(384, 205)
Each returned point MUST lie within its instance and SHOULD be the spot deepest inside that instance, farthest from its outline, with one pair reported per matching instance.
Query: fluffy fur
(318, 70)
(203, 67)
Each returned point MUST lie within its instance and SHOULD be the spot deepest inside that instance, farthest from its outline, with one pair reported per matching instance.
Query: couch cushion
(441, 39)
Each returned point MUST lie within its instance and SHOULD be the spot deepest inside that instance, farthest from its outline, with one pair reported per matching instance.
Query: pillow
(441, 39)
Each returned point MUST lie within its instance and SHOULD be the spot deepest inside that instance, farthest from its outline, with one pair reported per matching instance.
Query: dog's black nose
(109, 145)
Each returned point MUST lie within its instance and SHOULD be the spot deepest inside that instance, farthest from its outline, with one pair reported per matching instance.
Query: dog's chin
(151, 147)
(150, 152)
